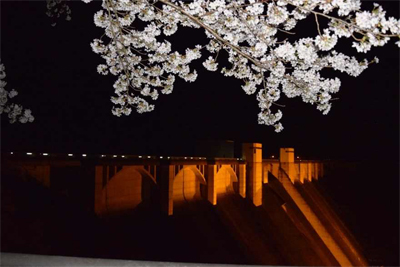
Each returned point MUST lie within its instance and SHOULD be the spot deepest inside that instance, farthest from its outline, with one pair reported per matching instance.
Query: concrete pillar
(266, 168)
(98, 187)
(275, 169)
(252, 154)
(211, 184)
(286, 160)
(286, 155)
(242, 180)
(309, 171)
(316, 170)
(167, 188)
(303, 172)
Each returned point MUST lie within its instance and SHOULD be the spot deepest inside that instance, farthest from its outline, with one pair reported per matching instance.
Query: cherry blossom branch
(248, 32)
(364, 32)
(115, 38)
(316, 20)
(215, 34)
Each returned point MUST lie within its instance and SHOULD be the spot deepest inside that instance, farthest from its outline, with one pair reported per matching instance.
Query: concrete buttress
(167, 188)
(252, 154)
(211, 184)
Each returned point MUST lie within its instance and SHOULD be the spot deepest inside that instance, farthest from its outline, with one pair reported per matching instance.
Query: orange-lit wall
(252, 153)
(224, 180)
(186, 186)
(122, 190)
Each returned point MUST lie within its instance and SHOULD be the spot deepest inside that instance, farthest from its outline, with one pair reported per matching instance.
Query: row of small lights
(123, 156)
(274, 157)
(114, 156)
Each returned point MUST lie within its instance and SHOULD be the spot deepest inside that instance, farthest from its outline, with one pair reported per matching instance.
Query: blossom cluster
(270, 66)
(57, 9)
(15, 112)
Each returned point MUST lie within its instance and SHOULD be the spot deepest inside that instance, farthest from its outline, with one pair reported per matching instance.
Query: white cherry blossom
(250, 32)
(210, 64)
(15, 112)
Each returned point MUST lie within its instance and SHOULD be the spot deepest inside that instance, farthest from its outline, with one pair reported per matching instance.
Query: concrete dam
(244, 210)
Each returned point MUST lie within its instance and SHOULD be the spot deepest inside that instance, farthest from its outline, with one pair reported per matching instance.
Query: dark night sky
(54, 71)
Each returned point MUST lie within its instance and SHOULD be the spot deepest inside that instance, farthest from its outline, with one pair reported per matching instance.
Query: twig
(215, 34)
(316, 20)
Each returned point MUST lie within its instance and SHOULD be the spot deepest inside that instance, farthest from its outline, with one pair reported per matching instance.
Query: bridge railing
(113, 159)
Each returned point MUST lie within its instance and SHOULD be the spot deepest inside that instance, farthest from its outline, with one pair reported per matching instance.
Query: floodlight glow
(29, 153)
(45, 154)
(70, 155)
(84, 155)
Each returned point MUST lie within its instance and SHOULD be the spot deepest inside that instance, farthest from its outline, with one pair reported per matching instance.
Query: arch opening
(224, 180)
(187, 184)
(127, 189)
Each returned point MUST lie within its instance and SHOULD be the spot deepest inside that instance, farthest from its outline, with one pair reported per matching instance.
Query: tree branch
(215, 34)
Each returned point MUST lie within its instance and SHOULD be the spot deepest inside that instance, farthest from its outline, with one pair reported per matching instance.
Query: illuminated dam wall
(273, 207)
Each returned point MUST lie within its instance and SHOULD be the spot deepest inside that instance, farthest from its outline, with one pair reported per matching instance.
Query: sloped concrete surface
(16, 259)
